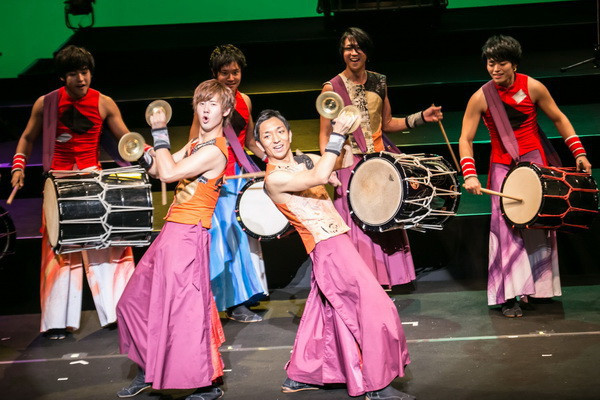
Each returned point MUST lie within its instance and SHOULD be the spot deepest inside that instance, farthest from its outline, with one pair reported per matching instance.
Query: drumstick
(85, 258)
(12, 195)
(488, 191)
(163, 191)
(259, 174)
(449, 146)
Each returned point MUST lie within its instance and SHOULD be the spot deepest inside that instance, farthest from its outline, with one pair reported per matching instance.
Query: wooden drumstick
(163, 191)
(85, 258)
(449, 146)
(12, 195)
(250, 175)
(508, 196)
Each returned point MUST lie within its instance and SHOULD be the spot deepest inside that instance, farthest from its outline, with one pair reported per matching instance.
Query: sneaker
(292, 386)
(388, 393)
(137, 385)
(56, 334)
(242, 313)
(511, 309)
(207, 393)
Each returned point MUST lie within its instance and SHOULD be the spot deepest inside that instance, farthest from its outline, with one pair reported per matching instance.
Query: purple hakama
(164, 313)
(350, 330)
(522, 262)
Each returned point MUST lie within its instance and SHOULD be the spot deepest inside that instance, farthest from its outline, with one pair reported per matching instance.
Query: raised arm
(28, 137)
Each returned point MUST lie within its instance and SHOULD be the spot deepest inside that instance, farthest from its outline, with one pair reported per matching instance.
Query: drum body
(98, 209)
(553, 198)
(258, 215)
(8, 234)
(391, 191)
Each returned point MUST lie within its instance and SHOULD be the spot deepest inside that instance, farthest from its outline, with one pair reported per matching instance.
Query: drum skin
(257, 214)
(567, 200)
(88, 210)
(383, 193)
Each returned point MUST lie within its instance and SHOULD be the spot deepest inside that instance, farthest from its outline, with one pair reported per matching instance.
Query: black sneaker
(207, 393)
(242, 313)
(511, 309)
(137, 385)
(56, 334)
(388, 393)
(292, 386)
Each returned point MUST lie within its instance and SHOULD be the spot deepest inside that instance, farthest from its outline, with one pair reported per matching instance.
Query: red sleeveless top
(78, 131)
(239, 123)
(522, 114)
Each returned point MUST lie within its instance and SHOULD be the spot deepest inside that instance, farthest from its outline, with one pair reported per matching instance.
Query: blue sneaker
(388, 393)
(292, 386)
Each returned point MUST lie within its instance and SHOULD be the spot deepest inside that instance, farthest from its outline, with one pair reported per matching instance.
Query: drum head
(376, 191)
(523, 182)
(257, 214)
(50, 206)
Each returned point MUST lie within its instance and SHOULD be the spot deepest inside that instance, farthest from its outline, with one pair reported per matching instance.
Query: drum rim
(537, 169)
(11, 235)
(53, 237)
(285, 231)
(390, 222)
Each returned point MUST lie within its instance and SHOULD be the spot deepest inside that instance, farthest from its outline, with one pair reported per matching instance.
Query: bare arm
(208, 161)
(28, 137)
(475, 107)
(111, 115)
(541, 97)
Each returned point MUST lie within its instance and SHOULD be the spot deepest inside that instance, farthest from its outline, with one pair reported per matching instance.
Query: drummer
(71, 120)
(522, 263)
(340, 338)
(386, 254)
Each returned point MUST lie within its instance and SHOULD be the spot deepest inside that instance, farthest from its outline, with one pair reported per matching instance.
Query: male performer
(71, 119)
(168, 322)
(387, 254)
(350, 331)
(237, 270)
(521, 262)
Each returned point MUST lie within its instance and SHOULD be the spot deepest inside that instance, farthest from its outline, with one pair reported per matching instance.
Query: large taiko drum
(8, 234)
(257, 214)
(553, 198)
(410, 191)
(98, 209)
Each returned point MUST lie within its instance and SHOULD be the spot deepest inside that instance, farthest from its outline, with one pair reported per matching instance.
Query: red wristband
(467, 164)
(574, 144)
(18, 163)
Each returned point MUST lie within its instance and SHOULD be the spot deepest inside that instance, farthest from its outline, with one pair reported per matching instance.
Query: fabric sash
(340, 88)
(505, 130)
(238, 150)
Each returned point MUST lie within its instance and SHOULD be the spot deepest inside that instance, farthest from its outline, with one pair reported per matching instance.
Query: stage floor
(460, 349)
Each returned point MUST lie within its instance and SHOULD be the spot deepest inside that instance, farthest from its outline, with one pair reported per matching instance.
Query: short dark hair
(361, 37)
(73, 58)
(502, 48)
(223, 55)
(265, 115)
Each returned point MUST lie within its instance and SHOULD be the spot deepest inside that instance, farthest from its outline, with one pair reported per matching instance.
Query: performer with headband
(350, 330)
(168, 322)
(521, 262)
(71, 120)
(237, 269)
(387, 254)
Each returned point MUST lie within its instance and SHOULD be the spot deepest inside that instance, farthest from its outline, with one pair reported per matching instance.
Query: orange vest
(195, 199)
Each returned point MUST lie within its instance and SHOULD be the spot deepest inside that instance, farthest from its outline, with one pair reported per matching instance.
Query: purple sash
(238, 150)
(505, 130)
(340, 88)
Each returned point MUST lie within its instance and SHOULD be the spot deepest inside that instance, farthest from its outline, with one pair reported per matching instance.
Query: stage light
(79, 7)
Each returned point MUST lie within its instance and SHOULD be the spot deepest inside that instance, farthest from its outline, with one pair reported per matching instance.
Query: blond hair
(211, 88)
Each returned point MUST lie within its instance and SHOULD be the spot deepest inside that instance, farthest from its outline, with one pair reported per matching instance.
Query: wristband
(161, 139)
(467, 164)
(574, 144)
(336, 143)
(19, 162)
(146, 160)
(265, 158)
(414, 120)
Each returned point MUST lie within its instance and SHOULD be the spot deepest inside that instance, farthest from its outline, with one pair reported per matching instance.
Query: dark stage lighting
(79, 7)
